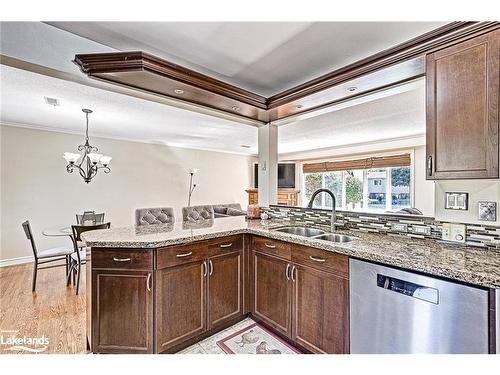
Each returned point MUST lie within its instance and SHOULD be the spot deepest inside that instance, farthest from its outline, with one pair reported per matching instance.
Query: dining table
(59, 231)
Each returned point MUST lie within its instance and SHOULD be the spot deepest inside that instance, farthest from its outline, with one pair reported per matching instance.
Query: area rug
(255, 339)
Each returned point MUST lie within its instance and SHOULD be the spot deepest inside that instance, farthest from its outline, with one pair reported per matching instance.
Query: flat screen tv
(286, 175)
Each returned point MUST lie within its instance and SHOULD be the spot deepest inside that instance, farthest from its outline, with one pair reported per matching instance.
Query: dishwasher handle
(408, 288)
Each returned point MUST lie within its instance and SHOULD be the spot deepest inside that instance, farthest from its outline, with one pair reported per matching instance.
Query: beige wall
(35, 184)
(479, 190)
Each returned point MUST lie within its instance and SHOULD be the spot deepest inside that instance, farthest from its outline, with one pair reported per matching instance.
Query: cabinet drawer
(182, 254)
(130, 259)
(321, 259)
(273, 247)
(225, 245)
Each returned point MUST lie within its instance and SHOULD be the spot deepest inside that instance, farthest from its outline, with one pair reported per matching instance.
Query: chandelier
(90, 160)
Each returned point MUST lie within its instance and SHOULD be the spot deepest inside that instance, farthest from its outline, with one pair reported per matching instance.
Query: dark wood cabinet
(122, 311)
(302, 294)
(463, 108)
(162, 300)
(225, 288)
(320, 311)
(199, 288)
(272, 292)
(180, 304)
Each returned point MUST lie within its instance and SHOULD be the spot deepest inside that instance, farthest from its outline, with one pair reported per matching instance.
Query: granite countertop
(468, 264)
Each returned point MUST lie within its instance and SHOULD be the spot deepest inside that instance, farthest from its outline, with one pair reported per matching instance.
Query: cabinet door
(462, 109)
(225, 288)
(320, 311)
(180, 304)
(122, 316)
(272, 292)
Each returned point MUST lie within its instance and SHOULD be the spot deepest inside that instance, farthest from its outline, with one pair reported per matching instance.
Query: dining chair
(46, 256)
(197, 213)
(77, 257)
(90, 216)
(157, 215)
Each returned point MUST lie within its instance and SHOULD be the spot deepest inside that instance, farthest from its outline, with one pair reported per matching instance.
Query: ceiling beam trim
(401, 63)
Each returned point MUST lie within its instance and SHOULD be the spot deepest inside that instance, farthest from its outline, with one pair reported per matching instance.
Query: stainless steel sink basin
(301, 231)
(333, 237)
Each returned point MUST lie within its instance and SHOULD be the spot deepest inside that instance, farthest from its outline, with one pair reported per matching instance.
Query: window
(400, 188)
(379, 189)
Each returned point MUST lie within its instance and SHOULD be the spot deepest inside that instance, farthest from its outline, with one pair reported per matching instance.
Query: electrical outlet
(421, 229)
(446, 232)
(453, 232)
(399, 227)
(458, 232)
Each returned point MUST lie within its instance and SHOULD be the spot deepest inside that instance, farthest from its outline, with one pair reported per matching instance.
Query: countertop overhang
(467, 264)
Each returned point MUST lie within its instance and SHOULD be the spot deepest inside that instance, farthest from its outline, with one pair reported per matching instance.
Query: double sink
(316, 234)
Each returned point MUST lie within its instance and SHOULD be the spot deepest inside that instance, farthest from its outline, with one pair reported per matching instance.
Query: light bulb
(94, 157)
(105, 160)
(71, 158)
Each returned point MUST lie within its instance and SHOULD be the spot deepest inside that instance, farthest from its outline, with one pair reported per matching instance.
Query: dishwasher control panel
(408, 288)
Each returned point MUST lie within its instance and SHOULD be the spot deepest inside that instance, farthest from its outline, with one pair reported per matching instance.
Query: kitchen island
(158, 289)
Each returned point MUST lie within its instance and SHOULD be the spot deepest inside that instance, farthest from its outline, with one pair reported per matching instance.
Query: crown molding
(139, 70)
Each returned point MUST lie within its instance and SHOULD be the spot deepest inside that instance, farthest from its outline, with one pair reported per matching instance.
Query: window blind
(403, 160)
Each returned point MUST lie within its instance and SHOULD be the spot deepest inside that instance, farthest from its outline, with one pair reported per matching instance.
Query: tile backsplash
(487, 236)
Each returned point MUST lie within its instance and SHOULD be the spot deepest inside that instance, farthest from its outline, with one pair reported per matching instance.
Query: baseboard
(14, 261)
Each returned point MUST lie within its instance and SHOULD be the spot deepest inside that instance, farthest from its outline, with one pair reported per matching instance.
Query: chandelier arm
(105, 168)
(82, 172)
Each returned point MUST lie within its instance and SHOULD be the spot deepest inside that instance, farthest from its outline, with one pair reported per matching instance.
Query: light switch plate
(456, 201)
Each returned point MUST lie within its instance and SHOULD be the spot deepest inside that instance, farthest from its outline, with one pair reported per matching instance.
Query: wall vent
(52, 101)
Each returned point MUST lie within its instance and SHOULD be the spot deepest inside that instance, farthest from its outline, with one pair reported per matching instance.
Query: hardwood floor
(54, 311)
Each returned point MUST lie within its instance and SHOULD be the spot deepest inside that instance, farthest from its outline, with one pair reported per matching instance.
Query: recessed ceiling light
(245, 146)
(52, 101)
(179, 91)
(235, 108)
(352, 88)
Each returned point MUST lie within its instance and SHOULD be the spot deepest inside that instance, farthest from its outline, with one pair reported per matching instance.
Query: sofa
(228, 209)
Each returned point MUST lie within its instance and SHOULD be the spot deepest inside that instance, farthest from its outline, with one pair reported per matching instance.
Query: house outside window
(380, 189)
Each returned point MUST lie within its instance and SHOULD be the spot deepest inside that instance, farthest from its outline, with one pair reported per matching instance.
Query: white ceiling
(263, 57)
(388, 118)
(115, 115)
(124, 117)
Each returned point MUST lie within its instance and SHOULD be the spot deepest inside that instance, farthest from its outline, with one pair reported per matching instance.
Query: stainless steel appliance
(497, 319)
(394, 311)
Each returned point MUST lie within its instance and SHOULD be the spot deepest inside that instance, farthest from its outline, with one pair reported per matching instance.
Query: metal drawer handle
(211, 267)
(121, 259)
(270, 246)
(205, 268)
(287, 271)
(321, 260)
(294, 275)
(226, 245)
(184, 255)
(147, 283)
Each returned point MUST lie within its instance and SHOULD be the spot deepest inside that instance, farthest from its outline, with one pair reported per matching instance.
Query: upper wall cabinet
(462, 109)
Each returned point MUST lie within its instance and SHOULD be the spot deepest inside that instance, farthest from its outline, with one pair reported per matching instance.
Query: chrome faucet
(334, 212)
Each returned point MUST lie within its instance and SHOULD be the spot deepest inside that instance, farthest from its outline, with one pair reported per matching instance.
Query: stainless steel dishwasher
(394, 311)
